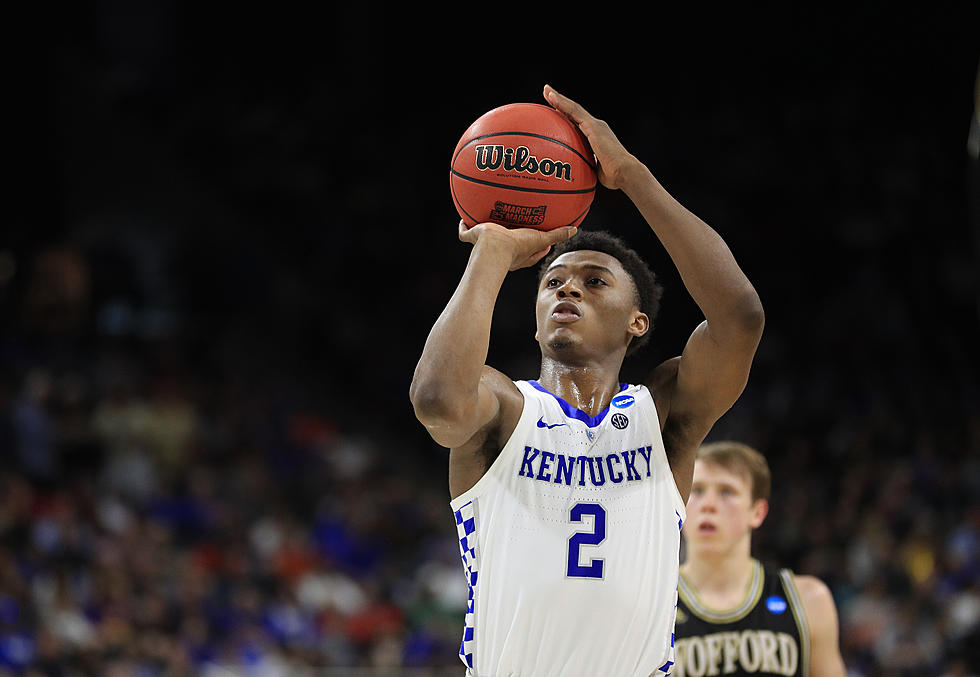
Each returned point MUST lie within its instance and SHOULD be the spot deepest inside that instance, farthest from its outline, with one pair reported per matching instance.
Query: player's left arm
(714, 367)
(821, 617)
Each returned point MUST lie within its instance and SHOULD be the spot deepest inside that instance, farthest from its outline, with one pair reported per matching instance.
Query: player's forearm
(705, 263)
(448, 374)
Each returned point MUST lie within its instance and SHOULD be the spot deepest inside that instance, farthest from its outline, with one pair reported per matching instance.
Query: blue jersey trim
(572, 412)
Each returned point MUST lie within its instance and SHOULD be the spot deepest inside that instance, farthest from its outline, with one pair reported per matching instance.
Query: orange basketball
(523, 165)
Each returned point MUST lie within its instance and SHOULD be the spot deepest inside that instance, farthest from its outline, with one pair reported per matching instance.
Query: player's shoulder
(664, 376)
(816, 596)
(811, 587)
(661, 382)
(500, 383)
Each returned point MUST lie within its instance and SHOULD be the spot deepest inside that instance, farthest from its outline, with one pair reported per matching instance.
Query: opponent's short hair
(741, 459)
(647, 290)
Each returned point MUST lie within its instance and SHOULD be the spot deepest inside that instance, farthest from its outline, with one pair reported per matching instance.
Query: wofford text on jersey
(558, 468)
(724, 653)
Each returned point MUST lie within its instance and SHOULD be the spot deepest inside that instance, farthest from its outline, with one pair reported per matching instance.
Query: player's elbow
(439, 416)
(427, 399)
(747, 313)
(448, 416)
(434, 405)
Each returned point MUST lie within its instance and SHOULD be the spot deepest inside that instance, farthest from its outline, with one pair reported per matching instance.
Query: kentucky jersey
(766, 634)
(570, 544)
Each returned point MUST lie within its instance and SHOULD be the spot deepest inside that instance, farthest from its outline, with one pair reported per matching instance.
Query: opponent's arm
(821, 617)
(450, 396)
(714, 366)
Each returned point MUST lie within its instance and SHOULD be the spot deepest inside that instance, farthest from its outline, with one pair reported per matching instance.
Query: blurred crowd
(159, 516)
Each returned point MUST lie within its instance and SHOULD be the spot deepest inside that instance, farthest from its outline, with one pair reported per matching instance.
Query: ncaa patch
(622, 401)
(776, 604)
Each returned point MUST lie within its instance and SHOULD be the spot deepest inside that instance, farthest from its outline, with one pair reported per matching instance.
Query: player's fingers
(576, 112)
(535, 257)
(465, 232)
(560, 234)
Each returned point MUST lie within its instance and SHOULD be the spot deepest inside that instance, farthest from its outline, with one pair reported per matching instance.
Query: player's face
(587, 303)
(720, 509)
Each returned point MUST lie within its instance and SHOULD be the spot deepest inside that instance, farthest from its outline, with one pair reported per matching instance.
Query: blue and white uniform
(570, 544)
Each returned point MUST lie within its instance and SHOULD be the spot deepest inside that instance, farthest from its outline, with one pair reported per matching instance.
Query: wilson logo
(520, 160)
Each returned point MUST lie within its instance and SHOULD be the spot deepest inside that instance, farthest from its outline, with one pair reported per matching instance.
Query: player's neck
(587, 388)
(719, 573)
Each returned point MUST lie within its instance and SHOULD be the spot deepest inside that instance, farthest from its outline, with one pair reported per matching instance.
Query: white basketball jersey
(570, 544)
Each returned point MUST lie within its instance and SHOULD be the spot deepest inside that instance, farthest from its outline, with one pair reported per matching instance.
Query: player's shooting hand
(523, 246)
(615, 162)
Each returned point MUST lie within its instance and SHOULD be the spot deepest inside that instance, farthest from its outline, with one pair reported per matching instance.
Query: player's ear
(639, 324)
(760, 508)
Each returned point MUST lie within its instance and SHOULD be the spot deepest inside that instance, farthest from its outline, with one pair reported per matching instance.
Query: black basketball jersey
(766, 634)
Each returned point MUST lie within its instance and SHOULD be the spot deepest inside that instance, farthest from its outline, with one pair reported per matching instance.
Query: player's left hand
(523, 246)
(615, 163)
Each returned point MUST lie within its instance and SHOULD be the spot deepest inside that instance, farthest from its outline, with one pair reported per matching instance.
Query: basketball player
(569, 491)
(735, 616)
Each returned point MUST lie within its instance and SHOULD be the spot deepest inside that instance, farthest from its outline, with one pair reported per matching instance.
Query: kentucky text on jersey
(724, 653)
(557, 468)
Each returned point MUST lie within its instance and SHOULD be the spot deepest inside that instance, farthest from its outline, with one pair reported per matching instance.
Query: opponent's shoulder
(818, 605)
(814, 594)
(821, 616)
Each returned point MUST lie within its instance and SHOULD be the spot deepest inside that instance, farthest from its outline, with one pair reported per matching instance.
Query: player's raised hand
(614, 160)
(524, 246)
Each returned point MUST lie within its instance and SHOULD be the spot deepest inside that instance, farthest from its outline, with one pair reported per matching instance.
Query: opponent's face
(587, 304)
(720, 511)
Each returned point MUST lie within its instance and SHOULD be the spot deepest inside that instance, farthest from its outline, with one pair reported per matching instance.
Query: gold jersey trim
(706, 613)
(799, 613)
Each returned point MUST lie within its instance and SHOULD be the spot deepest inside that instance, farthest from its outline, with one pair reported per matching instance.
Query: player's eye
(595, 281)
(553, 282)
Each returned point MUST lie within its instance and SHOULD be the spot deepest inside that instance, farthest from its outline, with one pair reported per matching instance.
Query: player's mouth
(707, 528)
(566, 311)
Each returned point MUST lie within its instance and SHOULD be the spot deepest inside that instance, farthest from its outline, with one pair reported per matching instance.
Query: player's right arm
(454, 394)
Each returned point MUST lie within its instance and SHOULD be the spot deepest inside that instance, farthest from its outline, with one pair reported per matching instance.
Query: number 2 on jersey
(598, 534)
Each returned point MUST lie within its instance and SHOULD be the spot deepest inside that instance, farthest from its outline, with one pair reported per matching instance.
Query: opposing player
(736, 616)
(569, 491)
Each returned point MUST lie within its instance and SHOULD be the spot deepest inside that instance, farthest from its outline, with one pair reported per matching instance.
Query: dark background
(230, 231)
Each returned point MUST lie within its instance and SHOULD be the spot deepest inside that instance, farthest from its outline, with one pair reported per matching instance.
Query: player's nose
(708, 503)
(569, 288)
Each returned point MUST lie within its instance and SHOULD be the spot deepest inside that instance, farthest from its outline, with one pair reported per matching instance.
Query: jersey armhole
(506, 450)
(679, 505)
(799, 614)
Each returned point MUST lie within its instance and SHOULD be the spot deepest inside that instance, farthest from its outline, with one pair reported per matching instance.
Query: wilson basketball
(523, 165)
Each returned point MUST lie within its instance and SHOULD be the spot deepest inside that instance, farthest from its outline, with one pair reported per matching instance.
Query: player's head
(610, 294)
(729, 496)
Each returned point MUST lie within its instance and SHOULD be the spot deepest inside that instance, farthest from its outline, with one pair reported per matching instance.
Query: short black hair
(645, 286)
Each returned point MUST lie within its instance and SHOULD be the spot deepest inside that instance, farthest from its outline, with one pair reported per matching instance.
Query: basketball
(523, 165)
